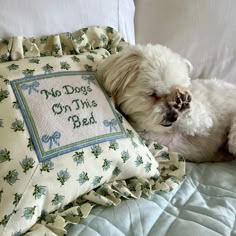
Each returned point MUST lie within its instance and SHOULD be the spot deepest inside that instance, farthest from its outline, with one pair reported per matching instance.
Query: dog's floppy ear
(118, 70)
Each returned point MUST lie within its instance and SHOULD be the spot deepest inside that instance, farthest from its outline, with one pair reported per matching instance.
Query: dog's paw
(180, 99)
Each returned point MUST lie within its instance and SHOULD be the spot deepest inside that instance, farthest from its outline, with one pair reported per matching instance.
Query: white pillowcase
(202, 31)
(38, 18)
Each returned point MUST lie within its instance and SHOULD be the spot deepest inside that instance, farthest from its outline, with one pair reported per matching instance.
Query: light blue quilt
(204, 205)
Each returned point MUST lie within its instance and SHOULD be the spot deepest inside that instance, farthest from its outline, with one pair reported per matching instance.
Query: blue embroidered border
(41, 154)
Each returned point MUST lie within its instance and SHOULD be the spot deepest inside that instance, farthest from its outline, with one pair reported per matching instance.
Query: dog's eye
(154, 95)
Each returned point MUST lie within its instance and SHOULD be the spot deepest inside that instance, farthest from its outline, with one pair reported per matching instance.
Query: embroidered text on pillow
(61, 111)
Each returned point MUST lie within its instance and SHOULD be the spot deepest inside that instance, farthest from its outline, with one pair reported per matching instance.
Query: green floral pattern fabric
(84, 40)
(42, 197)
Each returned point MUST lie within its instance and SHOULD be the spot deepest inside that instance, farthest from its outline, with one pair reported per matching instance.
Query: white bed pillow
(202, 31)
(38, 18)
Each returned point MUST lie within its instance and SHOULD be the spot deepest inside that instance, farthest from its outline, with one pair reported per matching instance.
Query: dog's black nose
(172, 116)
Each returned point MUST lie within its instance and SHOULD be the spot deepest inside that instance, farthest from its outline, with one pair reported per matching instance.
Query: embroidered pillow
(60, 137)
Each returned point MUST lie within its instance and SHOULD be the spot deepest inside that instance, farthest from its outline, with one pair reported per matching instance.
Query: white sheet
(37, 18)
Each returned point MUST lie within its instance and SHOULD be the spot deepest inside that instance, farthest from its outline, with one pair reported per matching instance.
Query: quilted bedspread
(205, 204)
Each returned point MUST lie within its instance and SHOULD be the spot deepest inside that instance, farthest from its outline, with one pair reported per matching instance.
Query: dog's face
(148, 85)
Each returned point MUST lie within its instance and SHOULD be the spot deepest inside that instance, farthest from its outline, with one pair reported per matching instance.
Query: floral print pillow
(61, 137)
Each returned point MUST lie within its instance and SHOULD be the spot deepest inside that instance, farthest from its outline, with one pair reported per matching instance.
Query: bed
(201, 206)
(108, 182)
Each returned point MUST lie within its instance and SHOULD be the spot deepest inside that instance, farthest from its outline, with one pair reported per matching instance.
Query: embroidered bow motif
(31, 87)
(53, 139)
(89, 79)
(112, 124)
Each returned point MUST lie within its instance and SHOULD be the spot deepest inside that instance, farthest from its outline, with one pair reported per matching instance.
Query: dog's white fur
(145, 82)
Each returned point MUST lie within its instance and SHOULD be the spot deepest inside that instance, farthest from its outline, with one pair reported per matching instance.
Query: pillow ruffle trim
(83, 40)
(172, 173)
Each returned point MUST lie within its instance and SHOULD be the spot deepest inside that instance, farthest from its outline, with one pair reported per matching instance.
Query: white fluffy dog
(151, 87)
